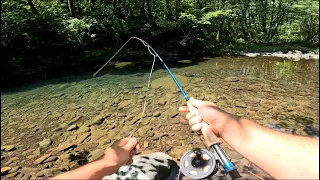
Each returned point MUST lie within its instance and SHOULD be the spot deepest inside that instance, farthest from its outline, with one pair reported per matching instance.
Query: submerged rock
(5, 170)
(167, 82)
(96, 154)
(8, 148)
(45, 143)
(156, 114)
(72, 127)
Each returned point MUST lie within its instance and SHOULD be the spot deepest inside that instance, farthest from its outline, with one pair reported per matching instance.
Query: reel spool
(198, 164)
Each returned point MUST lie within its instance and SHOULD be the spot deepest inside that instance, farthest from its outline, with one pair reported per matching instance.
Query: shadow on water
(270, 68)
(137, 68)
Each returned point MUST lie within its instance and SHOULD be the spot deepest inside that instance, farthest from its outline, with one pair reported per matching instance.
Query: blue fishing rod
(227, 164)
(196, 163)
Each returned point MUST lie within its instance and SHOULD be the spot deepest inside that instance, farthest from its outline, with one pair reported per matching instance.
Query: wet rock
(42, 159)
(135, 120)
(57, 95)
(105, 141)
(116, 100)
(123, 104)
(83, 129)
(112, 134)
(122, 115)
(142, 96)
(66, 157)
(72, 127)
(31, 171)
(45, 143)
(156, 114)
(13, 174)
(14, 169)
(173, 114)
(5, 170)
(127, 128)
(31, 156)
(167, 82)
(39, 174)
(240, 104)
(78, 119)
(50, 159)
(66, 146)
(104, 100)
(21, 175)
(83, 137)
(231, 79)
(252, 54)
(12, 159)
(159, 136)
(97, 120)
(51, 172)
(8, 148)
(96, 154)
(27, 176)
(145, 131)
(145, 144)
(57, 129)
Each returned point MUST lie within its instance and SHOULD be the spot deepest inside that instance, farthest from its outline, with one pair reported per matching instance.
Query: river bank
(295, 55)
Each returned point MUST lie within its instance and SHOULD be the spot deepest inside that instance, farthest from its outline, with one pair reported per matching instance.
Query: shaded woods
(41, 39)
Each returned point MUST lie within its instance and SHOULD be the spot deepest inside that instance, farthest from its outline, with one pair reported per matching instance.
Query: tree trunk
(71, 8)
(33, 8)
(149, 10)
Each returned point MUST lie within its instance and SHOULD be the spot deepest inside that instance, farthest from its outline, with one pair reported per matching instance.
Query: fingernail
(133, 139)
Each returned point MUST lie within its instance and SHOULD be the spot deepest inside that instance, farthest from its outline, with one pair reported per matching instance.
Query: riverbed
(75, 118)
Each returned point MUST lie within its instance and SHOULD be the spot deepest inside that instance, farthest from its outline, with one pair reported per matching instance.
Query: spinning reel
(201, 163)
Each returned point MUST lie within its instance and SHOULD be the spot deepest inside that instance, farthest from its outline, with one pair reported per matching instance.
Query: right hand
(208, 112)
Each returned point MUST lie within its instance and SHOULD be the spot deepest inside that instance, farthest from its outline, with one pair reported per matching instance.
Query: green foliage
(42, 31)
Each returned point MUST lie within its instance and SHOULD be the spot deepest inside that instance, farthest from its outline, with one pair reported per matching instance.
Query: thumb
(196, 102)
(131, 144)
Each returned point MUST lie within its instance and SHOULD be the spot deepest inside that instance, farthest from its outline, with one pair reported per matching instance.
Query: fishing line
(145, 100)
(149, 80)
(217, 156)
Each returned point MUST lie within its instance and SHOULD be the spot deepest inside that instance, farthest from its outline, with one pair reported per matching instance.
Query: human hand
(208, 112)
(121, 152)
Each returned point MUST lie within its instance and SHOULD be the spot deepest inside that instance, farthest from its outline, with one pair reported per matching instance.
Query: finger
(192, 108)
(131, 144)
(195, 120)
(190, 115)
(196, 127)
(138, 147)
(197, 103)
(123, 141)
(129, 162)
(184, 109)
(133, 152)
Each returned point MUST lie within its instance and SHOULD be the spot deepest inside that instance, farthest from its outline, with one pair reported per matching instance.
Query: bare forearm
(282, 155)
(95, 170)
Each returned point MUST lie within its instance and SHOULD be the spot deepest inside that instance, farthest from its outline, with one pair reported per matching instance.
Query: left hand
(121, 152)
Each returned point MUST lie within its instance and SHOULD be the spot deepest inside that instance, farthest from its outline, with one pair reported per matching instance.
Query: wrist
(230, 127)
(108, 167)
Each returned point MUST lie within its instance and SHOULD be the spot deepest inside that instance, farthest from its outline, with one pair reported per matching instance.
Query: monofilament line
(145, 100)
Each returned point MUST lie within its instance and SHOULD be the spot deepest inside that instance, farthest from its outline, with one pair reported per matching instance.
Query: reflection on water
(304, 71)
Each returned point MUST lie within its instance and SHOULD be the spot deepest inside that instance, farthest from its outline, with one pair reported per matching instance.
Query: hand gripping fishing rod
(197, 163)
(209, 136)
